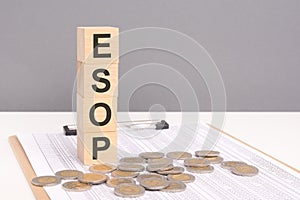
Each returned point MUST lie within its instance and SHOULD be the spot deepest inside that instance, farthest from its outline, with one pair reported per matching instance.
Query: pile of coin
(128, 178)
(240, 168)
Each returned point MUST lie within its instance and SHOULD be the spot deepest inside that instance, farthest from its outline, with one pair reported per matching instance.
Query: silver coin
(124, 174)
(151, 155)
(244, 170)
(159, 167)
(200, 170)
(185, 178)
(175, 186)
(175, 170)
(196, 162)
(114, 182)
(160, 161)
(93, 178)
(68, 174)
(46, 181)
(179, 155)
(148, 175)
(129, 190)
(214, 160)
(131, 167)
(154, 183)
(207, 153)
(134, 160)
(76, 186)
(229, 164)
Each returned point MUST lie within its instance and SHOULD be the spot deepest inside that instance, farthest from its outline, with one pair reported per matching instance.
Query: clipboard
(27, 169)
(40, 193)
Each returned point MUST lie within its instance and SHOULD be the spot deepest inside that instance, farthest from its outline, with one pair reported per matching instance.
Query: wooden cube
(94, 148)
(97, 80)
(97, 114)
(98, 44)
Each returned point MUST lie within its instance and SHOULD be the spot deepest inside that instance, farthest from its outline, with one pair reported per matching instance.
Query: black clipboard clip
(159, 125)
(70, 129)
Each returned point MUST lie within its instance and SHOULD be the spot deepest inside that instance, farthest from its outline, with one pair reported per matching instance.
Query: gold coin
(214, 160)
(175, 170)
(46, 181)
(230, 164)
(207, 153)
(196, 162)
(68, 174)
(102, 168)
(124, 174)
(245, 170)
(148, 175)
(93, 178)
(179, 155)
(200, 170)
(175, 186)
(76, 186)
(185, 178)
(154, 183)
(114, 182)
(129, 190)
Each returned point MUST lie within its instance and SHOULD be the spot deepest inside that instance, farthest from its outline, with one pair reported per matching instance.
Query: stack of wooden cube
(97, 92)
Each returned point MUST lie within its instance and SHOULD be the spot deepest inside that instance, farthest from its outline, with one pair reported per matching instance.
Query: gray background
(255, 44)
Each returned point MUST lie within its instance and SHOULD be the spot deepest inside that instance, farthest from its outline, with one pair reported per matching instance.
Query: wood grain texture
(85, 44)
(86, 83)
(84, 107)
(97, 90)
(85, 148)
(27, 169)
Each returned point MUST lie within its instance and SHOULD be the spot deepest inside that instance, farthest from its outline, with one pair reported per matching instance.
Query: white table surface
(277, 134)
